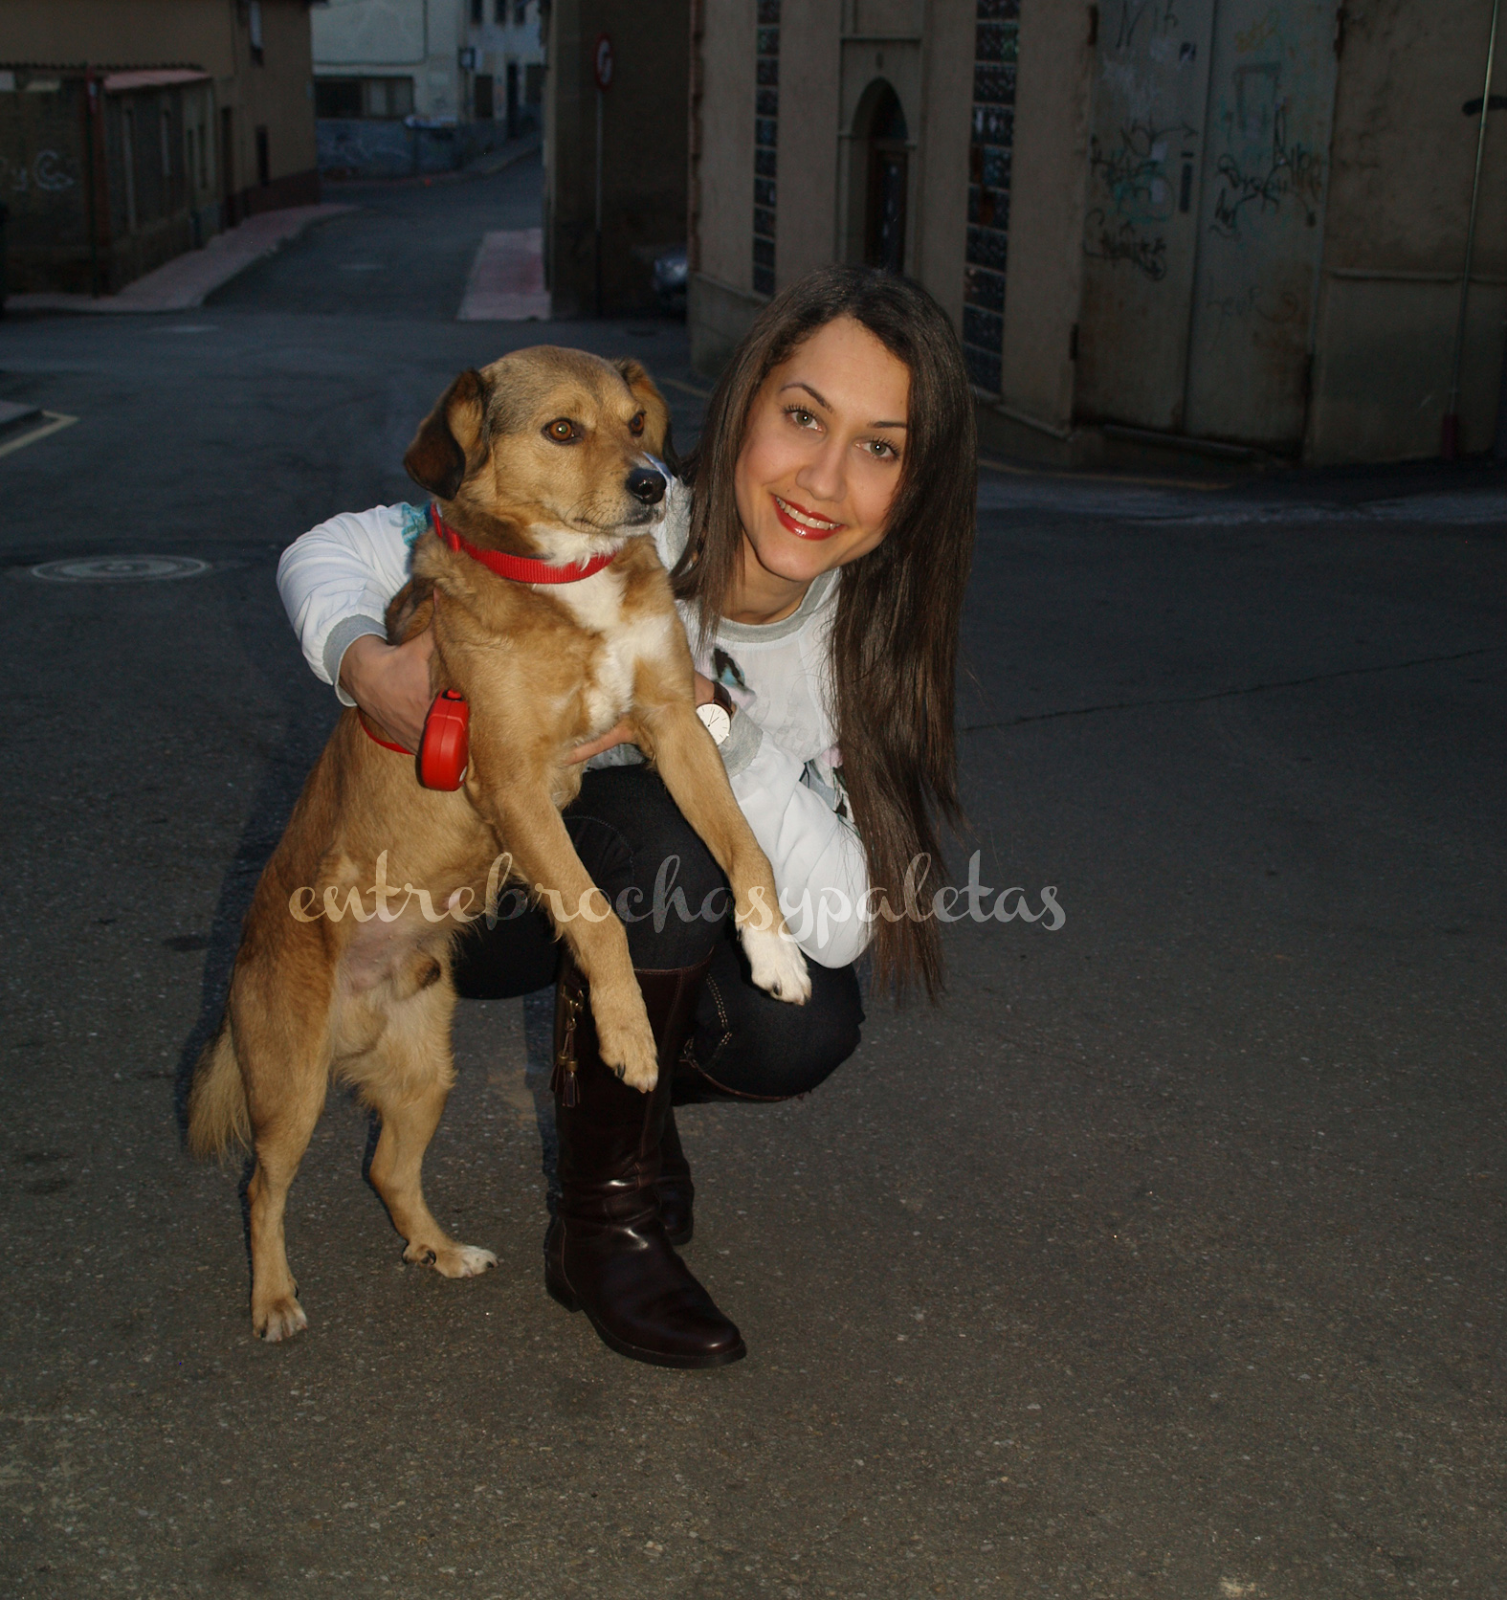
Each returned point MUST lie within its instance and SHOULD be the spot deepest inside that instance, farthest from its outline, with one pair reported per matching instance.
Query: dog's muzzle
(646, 485)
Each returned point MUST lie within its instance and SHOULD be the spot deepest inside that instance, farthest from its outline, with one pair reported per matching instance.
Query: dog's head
(548, 444)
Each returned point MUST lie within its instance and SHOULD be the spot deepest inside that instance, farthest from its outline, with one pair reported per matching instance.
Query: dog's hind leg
(281, 1023)
(407, 1077)
(280, 1137)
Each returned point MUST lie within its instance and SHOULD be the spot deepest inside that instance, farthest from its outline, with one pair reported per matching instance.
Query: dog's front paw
(631, 1054)
(449, 1259)
(777, 962)
(278, 1319)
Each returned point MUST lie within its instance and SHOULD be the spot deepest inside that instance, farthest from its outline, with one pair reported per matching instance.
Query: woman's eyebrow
(797, 383)
(826, 404)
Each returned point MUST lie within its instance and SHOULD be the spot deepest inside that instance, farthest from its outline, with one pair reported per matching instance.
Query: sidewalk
(187, 280)
(507, 279)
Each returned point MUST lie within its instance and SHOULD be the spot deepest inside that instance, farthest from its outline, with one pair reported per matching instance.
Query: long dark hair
(894, 642)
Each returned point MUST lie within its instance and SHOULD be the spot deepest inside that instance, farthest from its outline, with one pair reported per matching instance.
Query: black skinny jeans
(649, 862)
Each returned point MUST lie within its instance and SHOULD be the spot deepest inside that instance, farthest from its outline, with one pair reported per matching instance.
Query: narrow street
(1163, 1261)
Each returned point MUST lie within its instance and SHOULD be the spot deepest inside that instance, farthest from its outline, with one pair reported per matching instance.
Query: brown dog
(541, 455)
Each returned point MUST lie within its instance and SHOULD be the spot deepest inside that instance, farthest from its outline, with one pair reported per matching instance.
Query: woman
(839, 440)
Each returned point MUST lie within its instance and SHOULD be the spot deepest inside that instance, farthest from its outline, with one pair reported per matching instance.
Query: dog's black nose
(645, 484)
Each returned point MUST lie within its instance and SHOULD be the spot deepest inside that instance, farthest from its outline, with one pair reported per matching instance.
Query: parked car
(670, 280)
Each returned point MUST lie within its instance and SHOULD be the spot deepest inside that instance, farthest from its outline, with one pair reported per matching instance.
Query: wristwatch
(717, 714)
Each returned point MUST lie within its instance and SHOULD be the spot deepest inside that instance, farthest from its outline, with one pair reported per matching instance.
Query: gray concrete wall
(1394, 239)
(810, 64)
(939, 183)
(720, 298)
(1044, 277)
(727, 124)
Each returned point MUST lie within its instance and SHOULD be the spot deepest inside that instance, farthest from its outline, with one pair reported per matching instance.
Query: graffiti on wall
(47, 172)
(1143, 154)
(1260, 168)
(1140, 197)
(1160, 16)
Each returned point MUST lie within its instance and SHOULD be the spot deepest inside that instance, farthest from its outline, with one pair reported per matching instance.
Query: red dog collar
(445, 749)
(521, 569)
(376, 738)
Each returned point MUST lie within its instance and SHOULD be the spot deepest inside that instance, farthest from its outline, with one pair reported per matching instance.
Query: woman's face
(821, 457)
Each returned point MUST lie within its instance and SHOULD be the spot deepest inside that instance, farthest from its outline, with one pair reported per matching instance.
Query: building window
(500, 12)
(372, 98)
(254, 24)
(165, 140)
(995, 55)
(478, 13)
(263, 158)
(766, 141)
(520, 12)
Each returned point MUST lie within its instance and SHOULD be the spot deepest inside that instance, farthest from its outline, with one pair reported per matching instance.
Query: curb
(184, 283)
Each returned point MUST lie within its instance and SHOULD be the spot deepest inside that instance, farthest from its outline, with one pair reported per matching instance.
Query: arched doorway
(888, 150)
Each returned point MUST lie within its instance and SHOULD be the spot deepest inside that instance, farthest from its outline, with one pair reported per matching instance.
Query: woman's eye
(561, 430)
(882, 450)
(636, 426)
(801, 417)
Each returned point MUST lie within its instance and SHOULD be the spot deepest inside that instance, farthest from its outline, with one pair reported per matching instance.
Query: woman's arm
(335, 584)
(336, 581)
(819, 864)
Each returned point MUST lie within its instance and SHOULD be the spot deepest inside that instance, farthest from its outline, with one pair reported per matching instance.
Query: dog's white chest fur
(597, 605)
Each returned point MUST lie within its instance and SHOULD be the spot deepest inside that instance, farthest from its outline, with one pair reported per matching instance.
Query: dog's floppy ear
(448, 438)
(656, 412)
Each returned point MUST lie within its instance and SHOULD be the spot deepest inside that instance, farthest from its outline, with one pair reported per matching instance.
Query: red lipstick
(800, 529)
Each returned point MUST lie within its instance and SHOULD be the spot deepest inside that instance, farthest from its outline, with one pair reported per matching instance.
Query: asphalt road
(1165, 1259)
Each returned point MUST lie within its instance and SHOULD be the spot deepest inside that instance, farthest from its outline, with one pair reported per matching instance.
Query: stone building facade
(1215, 224)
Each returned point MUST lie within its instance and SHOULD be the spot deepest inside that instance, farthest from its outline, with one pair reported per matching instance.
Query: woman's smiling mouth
(802, 523)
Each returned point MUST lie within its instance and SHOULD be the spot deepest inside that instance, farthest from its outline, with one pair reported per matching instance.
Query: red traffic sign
(602, 61)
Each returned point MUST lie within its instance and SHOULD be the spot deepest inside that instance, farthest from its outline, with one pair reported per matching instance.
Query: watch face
(717, 721)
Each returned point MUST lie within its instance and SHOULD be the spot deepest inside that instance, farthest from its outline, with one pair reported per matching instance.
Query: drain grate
(120, 569)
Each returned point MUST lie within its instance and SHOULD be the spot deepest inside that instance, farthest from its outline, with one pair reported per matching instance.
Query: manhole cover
(120, 569)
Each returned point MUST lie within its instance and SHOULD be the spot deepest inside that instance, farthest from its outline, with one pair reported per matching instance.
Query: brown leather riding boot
(677, 1193)
(606, 1252)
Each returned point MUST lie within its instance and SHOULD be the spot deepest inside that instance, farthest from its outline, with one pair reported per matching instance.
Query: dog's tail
(218, 1116)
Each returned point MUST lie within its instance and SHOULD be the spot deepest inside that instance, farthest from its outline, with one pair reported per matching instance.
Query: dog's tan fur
(545, 668)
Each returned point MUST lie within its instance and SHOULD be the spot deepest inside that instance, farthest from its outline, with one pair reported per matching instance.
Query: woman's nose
(822, 475)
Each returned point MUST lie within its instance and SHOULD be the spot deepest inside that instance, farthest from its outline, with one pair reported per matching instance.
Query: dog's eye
(636, 426)
(562, 430)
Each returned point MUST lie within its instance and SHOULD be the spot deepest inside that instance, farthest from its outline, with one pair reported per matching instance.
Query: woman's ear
(656, 412)
(449, 437)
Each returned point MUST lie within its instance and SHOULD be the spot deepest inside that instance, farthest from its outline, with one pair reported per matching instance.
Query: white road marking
(56, 421)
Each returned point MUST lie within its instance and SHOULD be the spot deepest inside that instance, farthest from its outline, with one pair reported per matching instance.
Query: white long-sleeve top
(337, 580)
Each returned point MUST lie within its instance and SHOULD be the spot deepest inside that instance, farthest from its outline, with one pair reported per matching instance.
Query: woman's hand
(622, 732)
(391, 684)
